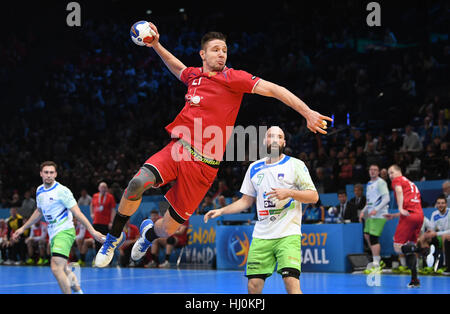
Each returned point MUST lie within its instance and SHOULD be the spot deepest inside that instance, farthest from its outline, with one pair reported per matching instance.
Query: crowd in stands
(100, 110)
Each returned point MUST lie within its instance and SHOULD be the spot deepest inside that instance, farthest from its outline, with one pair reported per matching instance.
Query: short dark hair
(441, 197)
(342, 192)
(211, 36)
(48, 163)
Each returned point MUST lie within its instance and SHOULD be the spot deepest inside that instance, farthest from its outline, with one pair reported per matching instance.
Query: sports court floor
(39, 280)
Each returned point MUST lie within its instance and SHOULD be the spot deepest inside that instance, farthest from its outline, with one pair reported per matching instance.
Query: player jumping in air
(410, 222)
(212, 103)
(277, 234)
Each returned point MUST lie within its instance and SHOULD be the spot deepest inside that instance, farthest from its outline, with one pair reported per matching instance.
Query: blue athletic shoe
(106, 252)
(141, 246)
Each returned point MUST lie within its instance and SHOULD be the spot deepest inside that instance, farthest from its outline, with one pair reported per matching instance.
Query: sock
(155, 258)
(118, 224)
(167, 257)
(411, 262)
(150, 235)
(402, 260)
(376, 260)
(447, 254)
(83, 257)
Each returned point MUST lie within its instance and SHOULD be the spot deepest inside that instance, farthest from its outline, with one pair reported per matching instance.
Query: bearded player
(199, 137)
(410, 222)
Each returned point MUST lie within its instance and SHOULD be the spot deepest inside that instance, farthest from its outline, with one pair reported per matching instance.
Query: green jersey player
(279, 184)
(57, 205)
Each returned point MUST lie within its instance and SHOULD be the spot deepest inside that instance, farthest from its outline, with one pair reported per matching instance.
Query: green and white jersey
(277, 219)
(375, 191)
(55, 203)
(440, 222)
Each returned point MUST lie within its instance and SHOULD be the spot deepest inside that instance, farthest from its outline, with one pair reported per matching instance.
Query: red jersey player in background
(212, 103)
(410, 222)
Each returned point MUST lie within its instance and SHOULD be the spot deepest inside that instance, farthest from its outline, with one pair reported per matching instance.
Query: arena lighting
(181, 10)
(149, 12)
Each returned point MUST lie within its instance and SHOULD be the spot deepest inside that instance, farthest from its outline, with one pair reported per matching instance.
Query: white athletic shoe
(106, 252)
(430, 257)
(141, 246)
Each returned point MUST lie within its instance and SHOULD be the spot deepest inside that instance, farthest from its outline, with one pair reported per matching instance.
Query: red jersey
(102, 207)
(411, 194)
(132, 232)
(212, 103)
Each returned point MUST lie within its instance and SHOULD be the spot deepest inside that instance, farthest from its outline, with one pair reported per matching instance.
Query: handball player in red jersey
(410, 222)
(214, 95)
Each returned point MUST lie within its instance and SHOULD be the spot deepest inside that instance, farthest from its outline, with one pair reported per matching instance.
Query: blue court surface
(31, 280)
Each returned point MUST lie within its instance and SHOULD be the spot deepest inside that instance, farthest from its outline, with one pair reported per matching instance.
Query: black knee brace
(374, 239)
(290, 272)
(141, 182)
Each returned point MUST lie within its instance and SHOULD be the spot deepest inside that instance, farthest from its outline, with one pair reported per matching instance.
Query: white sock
(376, 260)
(402, 261)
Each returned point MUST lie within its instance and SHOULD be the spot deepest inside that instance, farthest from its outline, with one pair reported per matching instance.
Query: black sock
(411, 261)
(83, 257)
(118, 224)
(447, 254)
(155, 258)
(167, 257)
(150, 235)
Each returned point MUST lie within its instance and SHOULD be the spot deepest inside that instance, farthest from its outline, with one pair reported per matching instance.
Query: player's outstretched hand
(317, 122)
(99, 237)
(212, 214)
(156, 40)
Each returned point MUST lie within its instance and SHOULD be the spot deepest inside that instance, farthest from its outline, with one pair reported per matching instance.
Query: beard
(275, 150)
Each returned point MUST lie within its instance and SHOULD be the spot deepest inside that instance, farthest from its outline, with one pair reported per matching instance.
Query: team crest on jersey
(281, 176)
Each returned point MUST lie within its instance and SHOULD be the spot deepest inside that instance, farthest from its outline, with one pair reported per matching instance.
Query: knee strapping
(141, 182)
(409, 248)
(374, 240)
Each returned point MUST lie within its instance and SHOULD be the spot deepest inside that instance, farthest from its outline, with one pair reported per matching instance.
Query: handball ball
(332, 211)
(141, 33)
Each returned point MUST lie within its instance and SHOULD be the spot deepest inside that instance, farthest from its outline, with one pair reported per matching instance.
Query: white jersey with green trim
(55, 204)
(277, 219)
(440, 223)
(374, 194)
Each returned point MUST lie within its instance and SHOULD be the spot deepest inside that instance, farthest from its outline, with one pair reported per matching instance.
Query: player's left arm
(315, 121)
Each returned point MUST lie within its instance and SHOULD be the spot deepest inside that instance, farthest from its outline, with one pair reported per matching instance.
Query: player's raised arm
(315, 121)
(174, 65)
(240, 205)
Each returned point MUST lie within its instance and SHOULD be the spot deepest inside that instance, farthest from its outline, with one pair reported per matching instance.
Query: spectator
(132, 233)
(16, 247)
(28, 206)
(394, 143)
(314, 213)
(356, 204)
(411, 141)
(323, 181)
(342, 207)
(178, 239)
(446, 190)
(102, 211)
(85, 199)
(15, 200)
(207, 205)
(3, 241)
(83, 240)
(37, 240)
(384, 174)
(346, 173)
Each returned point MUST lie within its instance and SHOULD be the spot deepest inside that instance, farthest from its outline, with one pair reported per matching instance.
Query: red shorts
(192, 177)
(408, 229)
